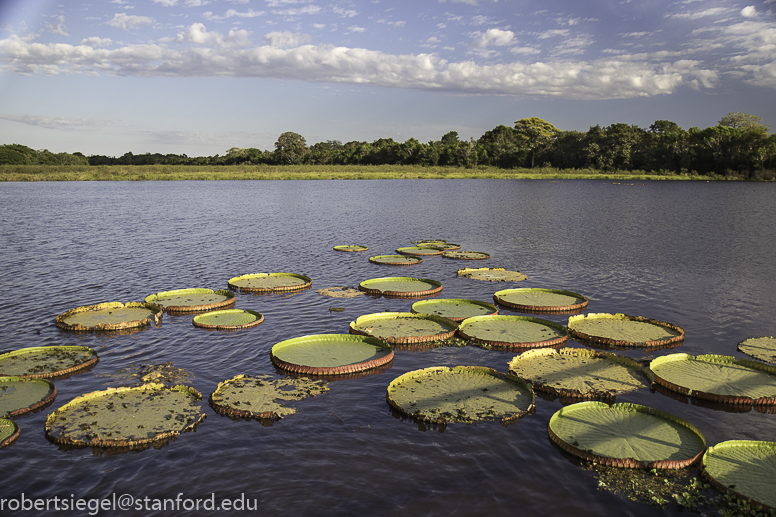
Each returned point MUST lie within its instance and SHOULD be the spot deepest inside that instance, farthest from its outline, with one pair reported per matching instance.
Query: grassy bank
(305, 172)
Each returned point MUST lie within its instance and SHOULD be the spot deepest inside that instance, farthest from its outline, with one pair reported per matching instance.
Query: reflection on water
(699, 255)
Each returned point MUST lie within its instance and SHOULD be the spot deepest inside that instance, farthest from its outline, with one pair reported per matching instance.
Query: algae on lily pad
(454, 309)
(513, 331)
(110, 316)
(400, 287)
(460, 394)
(9, 432)
(578, 372)
(330, 354)
(622, 330)
(19, 395)
(137, 374)
(270, 282)
(340, 292)
(746, 468)
(492, 274)
(126, 416)
(351, 248)
(466, 255)
(540, 300)
(396, 260)
(762, 348)
(192, 300)
(47, 361)
(718, 378)
(403, 327)
(262, 397)
(228, 319)
(626, 435)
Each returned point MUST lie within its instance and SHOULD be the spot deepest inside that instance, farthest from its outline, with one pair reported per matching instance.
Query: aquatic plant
(621, 330)
(47, 361)
(492, 274)
(330, 354)
(20, 395)
(396, 260)
(466, 255)
(403, 327)
(513, 331)
(400, 287)
(110, 316)
(9, 432)
(340, 292)
(192, 300)
(455, 309)
(270, 282)
(540, 300)
(351, 248)
(229, 319)
(744, 468)
(762, 348)
(261, 397)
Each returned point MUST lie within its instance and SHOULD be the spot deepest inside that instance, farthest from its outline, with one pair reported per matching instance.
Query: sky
(199, 77)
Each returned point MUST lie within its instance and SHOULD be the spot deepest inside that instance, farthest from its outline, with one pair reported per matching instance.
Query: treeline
(738, 146)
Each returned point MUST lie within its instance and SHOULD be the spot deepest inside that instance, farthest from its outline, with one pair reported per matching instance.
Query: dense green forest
(739, 146)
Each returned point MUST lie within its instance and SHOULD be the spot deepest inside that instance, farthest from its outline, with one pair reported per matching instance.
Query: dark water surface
(700, 255)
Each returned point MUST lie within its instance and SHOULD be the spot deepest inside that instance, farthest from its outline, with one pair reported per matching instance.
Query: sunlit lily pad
(421, 251)
(126, 416)
(331, 354)
(466, 255)
(19, 395)
(351, 248)
(192, 300)
(492, 274)
(578, 372)
(396, 260)
(47, 361)
(540, 300)
(9, 432)
(403, 327)
(460, 394)
(400, 287)
(228, 319)
(626, 435)
(718, 378)
(513, 331)
(340, 292)
(454, 309)
(762, 348)
(110, 316)
(262, 397)
(622, 330)
(442, 245)
(745, 468)
(269, 282)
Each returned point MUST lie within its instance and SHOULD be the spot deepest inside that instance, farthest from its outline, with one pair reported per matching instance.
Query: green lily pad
(578, 372)
(351, 248)
(540, 300)
(396, 260)
(454, 309)
(340, 292)
(126, 416)
(622, 330)
(270, 282)
(9, 432)
(492, 274)
(513, 331)
(460, 394)
(466, 255)
(262, 397)
(330, 354)
(400, 287)
(745, 468)
(422, 251)
(626, 435)
(19, 395)
(229, 319)
(762, 348)
(47, 361)
(192, 300)
(110, 316)
(403, 327)
(718, 378)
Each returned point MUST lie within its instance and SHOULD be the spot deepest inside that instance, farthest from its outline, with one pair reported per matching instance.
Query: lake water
(699, 255)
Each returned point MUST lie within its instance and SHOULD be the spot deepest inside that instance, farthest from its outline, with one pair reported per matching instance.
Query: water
(699, 255)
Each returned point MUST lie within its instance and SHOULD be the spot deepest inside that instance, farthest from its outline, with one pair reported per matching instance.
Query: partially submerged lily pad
(762, 348)
(626, 435)
(454, 309)
(270, 282)
(229, 319)
(110, 316)
(540, 300)
(513, 331)
(492, 274)
(340, 292)
(622, 330)
(718, 378)
(460, 394)
(47, 361)
(9, 432)
(578, 372)
(137, 374)
(396, 260)
(261, 396)
(403, 327)
(126, 416)
(351, 248)
(330, 354)
(466, 255)
(192, 300)
(745, 468)
(19, 395)
(421, 251)
(400, 287)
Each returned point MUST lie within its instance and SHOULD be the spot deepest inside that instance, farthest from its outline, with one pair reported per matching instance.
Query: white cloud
(197, 33)
(59, 28)
(286, 39)
(470, 2)
(126, 22)
(399, 24)
(357, 29)
(749, 12)
(166, 3)
(345, 13)
(61, 123)
(553, 33)
(310, 9)
(96, 42)
(713, 11)
(496, 37)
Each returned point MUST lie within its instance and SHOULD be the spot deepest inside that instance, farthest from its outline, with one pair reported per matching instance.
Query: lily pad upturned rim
(657, 343)
(623, 462)
(291, 287)
(350, 248)
(436, 287)
(407, 260)
(405, 340)
(227, 302)
(744, 348)
(15, 430)
(58, 373)
(415, 251)
(200, 319)
(45, 401)
(735, 489)
(331, 370)
(471, 272)
(461, 255)
(514, 344)
(419, 304)
(497, 297)
(155, 316)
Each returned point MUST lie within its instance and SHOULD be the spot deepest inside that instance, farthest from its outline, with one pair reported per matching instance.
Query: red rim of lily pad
(651, 343)
(381, 286)
(292, 286)
(499, 296)
(227, 301)
(45, 401)
(447, 327)
(14, 434)
(343, 369)
(207, 320)
(465, 333)
(58, 373)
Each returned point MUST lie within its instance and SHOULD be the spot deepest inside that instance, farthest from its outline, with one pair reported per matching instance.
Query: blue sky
(201, 76)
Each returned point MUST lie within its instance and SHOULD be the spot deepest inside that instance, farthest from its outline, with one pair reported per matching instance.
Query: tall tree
(739, 120)
(534, 133)
(290, 148)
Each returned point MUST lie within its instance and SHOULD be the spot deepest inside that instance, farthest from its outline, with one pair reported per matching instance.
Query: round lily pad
(626, 435)
(442, 245)
(400, 287)
(110, 316)
(262, 397)
(454, 309)
(47, 361)
(192, 300)
(718, 378)
(540, 300)
(340, 292)
(403, 327)
(578, 372)
(269, 282)
(330, 354)
(351, 247)
(421, 251)
(513, 331)
(126, 416)
(622, 330)
(460, 394)
(228, 319)
(466, 255)
(762, 348)
(492, 274)
(745, 468)
(396, 260)
(9, 432)
(19, 395)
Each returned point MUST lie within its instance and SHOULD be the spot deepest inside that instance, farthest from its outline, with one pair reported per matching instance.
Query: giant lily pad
(9, 432)
(745, 468)
(466, 255)
(492, 274)
(110, 316)
(460, 394)
(192, 300)
(229, 319)
(421, 251)
(578, 372)
(270, 282)
(330, 354)
(19, 395)
(624, 331)
(351, 248)
(403, 327)
(396, 260)
(126, 416)
(400, 287)
(262, 397)
(340, 292)
(762, 348)
(454, 309)
(47, 361)
(626, 435)
(718, 378)
(540, 300)
(513, 331)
